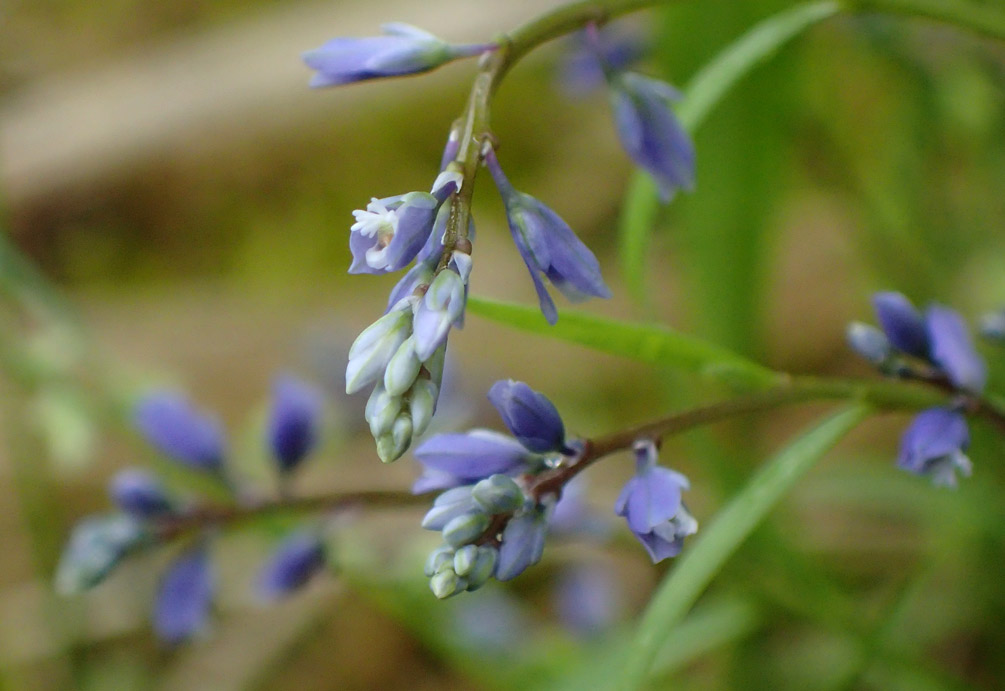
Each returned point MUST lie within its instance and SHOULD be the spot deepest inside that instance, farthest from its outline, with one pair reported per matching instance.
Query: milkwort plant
(499, 497)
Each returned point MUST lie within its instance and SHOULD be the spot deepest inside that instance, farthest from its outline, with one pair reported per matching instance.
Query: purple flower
(171, 424)
(140, 494)
(651, 503)
(390, 232)
(902, 323)
(293, 421)
(933, 445)
(402, 50)
(530, 416)
(522, 543)
(953, 351)
(650, 132)
(450, 460)
(295, 561)
(548, 246)
(186, 591)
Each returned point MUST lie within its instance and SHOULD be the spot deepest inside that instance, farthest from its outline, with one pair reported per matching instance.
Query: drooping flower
(294, 562)
(548, 246)
(140, 494)
(184, 597)
(174, 426)
(934, 444)
(651, 503)
(403, 49)
(650, 132)
(293, 421)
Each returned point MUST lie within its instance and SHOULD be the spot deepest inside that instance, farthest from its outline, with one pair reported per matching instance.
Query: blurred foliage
(867, 155)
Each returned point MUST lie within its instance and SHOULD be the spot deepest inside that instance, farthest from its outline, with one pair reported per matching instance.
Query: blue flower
(952, 350)
(171, 424)
(530, 416)
(548, 246)
(295, 561)
(651, 503)
(140, 494)
(933, 445)
(902, 323)
(939, 337)
(522, 542)
(390, 232)
(402, 50)
(185, 594)
(450, 460)
(293, 421)
(650, 132)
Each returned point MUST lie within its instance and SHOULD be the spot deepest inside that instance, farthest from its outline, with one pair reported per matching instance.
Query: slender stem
(203, 516)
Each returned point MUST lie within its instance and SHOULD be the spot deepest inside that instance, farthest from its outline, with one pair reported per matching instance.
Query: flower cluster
(501, 496)
(934, 347)
(149, 514)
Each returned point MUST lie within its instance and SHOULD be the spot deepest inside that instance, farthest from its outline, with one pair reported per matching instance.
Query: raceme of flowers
(934, 346)
(148, 514)
(498, 505)
(401, 354)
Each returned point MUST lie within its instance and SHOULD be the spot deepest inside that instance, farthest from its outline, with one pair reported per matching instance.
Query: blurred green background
(165, 165)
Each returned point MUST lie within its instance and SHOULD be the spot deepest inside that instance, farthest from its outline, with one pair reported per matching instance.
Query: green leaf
(651, 343)
(711, 84)
(707, 89)
(706, 556)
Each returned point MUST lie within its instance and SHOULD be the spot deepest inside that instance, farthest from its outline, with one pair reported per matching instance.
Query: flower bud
(97, 544)
(464, 559)
(374, 348)
(441, 308)
(382, 410)
(445, 583)
(465, 528)
(392, 445)
(139, 494)
(438, 559)
(498, 494)
(422, 404)
(452, 503)
(481, 570)
(402, 369)
(869, 342)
